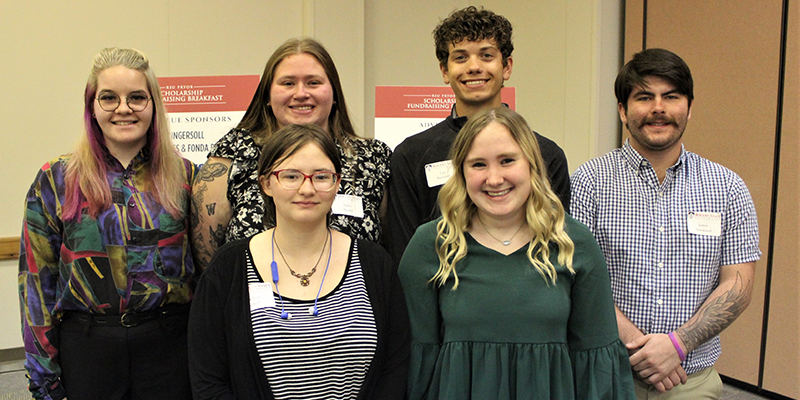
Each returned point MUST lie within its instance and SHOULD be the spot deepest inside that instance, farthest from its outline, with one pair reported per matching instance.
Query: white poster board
(402, 111)
(202, 109)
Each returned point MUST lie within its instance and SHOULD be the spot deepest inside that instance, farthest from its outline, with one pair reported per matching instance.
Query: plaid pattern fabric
(660, 272)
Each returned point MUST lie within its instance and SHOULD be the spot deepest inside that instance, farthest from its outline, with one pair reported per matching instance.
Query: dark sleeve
(557, 169)
(209, 364)
(226, 146)
(404, 213)
(393, 376)
(381, 158)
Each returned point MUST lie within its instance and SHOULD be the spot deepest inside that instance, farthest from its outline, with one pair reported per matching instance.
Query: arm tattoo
(717, 315)
(197, 202)
(211, 171)
(201, 253)
(218, 236)
(204, 248)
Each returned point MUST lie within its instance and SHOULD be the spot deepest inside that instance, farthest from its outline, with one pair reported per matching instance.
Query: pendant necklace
(304, 281)
(503, 242)
(313, 310)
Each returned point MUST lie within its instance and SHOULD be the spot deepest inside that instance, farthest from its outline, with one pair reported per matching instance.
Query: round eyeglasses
(291, 179)
(111, 101)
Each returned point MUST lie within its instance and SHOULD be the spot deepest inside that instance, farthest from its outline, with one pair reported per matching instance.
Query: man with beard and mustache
(679, 233)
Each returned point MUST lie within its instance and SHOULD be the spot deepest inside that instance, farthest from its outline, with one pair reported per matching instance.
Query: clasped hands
(656, 361)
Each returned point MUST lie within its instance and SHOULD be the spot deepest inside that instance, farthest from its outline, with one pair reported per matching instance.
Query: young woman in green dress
(509, 297)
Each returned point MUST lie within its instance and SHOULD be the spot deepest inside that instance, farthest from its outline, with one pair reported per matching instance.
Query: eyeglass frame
(309, 177)
(127, 102)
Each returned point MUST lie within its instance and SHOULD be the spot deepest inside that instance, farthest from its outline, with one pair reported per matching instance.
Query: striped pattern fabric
(660, 272)
(322, 357)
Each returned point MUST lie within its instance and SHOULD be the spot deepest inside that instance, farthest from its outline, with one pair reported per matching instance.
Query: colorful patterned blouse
(133, 257)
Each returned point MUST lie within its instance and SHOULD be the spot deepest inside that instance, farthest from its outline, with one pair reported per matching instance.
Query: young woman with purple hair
(106, 273)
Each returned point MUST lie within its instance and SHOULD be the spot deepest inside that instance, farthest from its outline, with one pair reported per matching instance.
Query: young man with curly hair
(474, 49)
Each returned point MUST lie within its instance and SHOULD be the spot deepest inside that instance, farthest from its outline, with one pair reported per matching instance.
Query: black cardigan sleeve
(223, 360)
(209, 366)
(388, 377)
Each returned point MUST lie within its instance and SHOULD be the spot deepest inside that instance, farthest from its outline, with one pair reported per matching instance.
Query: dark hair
(259, 119)
(283, 144)
(472, 24)
(653, 62)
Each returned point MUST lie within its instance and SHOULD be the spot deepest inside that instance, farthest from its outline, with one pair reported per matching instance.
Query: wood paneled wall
(781, 369)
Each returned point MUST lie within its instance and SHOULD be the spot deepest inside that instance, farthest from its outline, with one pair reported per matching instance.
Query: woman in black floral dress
(300, 84)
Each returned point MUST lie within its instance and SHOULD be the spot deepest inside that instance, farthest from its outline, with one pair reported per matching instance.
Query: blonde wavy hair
(86, 170)
(543, 210)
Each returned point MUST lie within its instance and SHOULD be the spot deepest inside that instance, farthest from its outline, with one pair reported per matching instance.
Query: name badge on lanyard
(345, 204)
(705, 223)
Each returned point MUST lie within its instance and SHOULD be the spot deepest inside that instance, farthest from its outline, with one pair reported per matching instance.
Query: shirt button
(134, 275)
(659, 301)
(661, 229)
(660, 265)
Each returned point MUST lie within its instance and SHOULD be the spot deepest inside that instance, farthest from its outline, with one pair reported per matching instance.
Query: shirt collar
(460, 121)
(142, 157)
(637, 161)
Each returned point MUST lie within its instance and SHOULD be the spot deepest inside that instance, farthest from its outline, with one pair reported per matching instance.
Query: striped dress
(317, 357)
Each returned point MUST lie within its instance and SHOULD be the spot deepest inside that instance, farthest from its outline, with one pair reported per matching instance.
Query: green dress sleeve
(601, 369)
(418, 265)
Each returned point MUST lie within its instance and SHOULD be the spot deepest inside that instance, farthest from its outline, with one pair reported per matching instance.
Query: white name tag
(260, 295)
(345, 204)
(705, 223)
(438, 173)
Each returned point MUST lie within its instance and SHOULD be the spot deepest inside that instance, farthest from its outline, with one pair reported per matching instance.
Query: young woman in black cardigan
(301, 310)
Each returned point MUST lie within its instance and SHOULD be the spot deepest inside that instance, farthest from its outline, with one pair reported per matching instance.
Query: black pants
(109, 361)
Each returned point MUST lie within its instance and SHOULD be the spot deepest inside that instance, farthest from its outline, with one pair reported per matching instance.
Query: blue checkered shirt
(660, 272)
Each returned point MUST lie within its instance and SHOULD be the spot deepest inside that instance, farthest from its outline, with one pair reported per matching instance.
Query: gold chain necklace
(303, 278)
(504, 242)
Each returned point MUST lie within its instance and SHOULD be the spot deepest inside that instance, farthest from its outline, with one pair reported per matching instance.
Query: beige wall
(782, 352)
(738, 137)
(567, 54)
